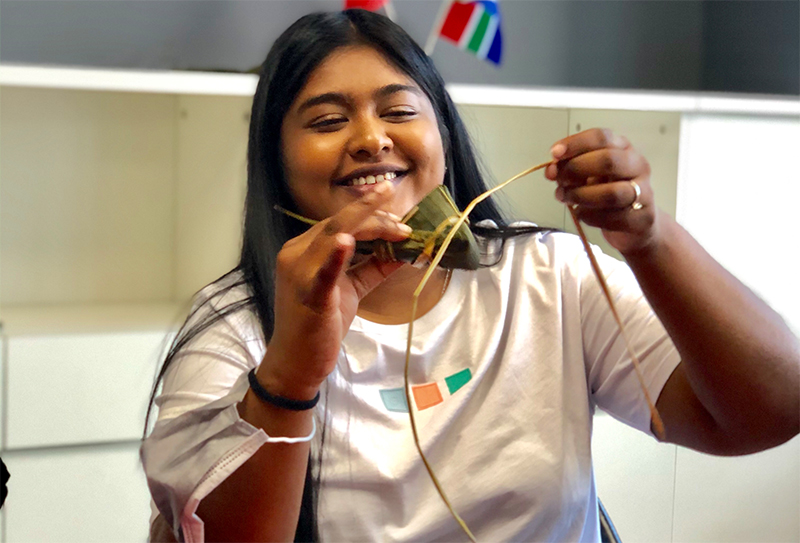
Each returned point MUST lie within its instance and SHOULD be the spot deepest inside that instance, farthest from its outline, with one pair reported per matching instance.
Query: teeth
(372, 179)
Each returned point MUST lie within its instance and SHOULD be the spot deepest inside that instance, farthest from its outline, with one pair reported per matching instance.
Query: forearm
(317, 294)
(260, 501)
(740, 359)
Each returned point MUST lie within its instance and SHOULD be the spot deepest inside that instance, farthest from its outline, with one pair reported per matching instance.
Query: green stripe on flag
(480, 31)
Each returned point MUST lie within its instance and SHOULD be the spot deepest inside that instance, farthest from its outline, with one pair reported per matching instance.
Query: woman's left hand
(598, 173)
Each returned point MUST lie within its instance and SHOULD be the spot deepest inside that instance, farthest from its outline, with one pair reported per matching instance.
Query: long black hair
(289, 63)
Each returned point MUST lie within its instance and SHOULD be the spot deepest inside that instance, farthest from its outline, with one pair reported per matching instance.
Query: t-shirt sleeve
(612, 378)
(199, 438)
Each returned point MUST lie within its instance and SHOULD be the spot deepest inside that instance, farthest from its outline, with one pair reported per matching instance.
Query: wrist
(276, 400)
(279, 381)
(649, 245)
(656, 245)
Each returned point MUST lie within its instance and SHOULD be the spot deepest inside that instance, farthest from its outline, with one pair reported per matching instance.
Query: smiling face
(359, 120)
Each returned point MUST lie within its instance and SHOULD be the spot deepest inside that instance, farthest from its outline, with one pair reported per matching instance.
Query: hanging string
(655, 418)
(658, 424)
(455, 222)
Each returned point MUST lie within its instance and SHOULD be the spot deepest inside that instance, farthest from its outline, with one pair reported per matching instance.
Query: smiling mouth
(369, 179)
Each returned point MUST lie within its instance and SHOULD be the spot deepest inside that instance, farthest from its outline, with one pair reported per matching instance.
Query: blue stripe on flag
(490, 6)
(496, 50)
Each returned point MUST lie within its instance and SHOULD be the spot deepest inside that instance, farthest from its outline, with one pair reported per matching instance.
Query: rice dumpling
(430, 221)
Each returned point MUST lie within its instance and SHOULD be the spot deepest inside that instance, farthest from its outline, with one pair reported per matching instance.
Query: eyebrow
(397, 87)
(341, 99)
(326, 98)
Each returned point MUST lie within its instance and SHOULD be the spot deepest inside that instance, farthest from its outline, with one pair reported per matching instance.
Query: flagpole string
(390, 11)
(437, 27)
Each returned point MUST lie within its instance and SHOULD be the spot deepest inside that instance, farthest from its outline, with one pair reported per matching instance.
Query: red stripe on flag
(371, 5)
(456, 20)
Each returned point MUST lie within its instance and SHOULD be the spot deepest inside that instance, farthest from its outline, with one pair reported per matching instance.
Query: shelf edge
(234, 84)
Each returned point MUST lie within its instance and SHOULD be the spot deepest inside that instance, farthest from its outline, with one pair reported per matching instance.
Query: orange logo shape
(426, 396)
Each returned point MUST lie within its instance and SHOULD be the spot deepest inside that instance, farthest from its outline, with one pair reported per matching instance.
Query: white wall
(738, 191)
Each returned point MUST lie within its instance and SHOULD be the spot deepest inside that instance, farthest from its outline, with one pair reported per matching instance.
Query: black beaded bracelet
(279, 401)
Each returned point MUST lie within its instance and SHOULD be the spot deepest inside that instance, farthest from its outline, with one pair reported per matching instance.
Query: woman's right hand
(317, 293)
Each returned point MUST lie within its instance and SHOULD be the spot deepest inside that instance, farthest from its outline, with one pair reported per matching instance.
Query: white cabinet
(103, 193)
(80, 388)
(510, 139)
(750, 498)
(654, 134)
(513, 138)
(115, 207)
(77, 494)
(635, 478)
(86, 197)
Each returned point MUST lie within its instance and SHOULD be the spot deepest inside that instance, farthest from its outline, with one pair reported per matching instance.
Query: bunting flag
(475, 27)
(371, 5)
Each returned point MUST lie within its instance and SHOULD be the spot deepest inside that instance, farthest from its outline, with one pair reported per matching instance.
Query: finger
(348, 222)
(616, 195)
(624, 220)
(382, 225)
(350, 218)
(604, 164)
(596, 180)
(588, 140)
(318, 296)
(370, 273)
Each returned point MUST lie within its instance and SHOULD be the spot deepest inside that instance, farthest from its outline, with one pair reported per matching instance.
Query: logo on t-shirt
(425, 395)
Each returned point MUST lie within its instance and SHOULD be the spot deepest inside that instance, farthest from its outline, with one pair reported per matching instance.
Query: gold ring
(636, 204)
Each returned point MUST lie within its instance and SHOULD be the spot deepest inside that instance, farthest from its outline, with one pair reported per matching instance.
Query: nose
(369, 138)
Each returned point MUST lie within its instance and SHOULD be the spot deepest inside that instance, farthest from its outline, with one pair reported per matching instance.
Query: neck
(391, 301)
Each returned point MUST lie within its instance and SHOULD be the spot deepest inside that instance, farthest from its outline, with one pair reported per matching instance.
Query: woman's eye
(400, 114)
(328, 124)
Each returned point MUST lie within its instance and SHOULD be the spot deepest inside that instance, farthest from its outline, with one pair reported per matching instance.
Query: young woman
(352, 126)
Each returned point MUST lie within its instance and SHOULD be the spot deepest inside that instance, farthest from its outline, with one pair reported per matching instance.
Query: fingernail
(392, 216)
(560, 194)
(619, 141)
(383, 187)
(404, 228)
(558, 150)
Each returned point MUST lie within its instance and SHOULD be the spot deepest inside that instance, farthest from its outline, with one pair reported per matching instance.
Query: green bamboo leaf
(428, 216)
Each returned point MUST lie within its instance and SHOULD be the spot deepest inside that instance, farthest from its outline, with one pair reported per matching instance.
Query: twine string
(658, 424)
(456, 221)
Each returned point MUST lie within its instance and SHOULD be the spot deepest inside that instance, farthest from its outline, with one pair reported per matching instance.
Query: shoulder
(228, 300)
(558, 260)
(220, 340)
(228, 289)
(549, 249)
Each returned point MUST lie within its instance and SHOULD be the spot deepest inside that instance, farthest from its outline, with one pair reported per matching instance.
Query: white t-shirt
(506, 371)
